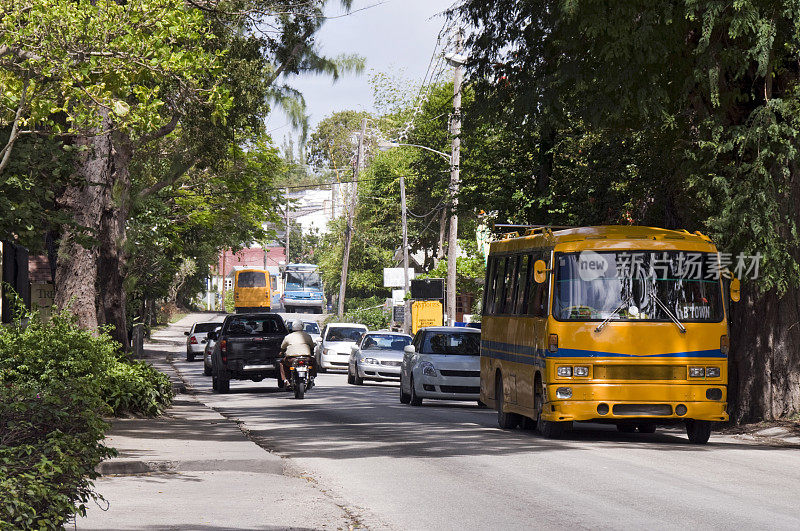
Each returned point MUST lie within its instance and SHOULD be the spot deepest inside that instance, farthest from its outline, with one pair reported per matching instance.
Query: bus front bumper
(638, 401)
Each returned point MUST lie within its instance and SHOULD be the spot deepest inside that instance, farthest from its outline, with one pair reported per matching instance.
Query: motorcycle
(301, 377)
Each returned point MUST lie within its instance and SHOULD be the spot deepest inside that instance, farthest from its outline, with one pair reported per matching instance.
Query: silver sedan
(377, 356)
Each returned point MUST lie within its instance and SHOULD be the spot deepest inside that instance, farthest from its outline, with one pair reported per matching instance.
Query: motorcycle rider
(297, 343)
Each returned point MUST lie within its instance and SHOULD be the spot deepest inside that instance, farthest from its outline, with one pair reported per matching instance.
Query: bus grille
(643, 410)
(639, 372)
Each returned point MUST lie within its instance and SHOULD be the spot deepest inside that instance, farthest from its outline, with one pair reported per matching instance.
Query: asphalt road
(446, 465)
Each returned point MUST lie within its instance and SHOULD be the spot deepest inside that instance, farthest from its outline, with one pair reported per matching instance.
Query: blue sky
(392, 36)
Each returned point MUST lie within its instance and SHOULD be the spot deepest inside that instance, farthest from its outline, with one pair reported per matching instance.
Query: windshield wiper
(613, 314)
(669, 313)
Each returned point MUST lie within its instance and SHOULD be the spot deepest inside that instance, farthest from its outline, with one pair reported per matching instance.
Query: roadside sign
(393, 276)
(398, 315)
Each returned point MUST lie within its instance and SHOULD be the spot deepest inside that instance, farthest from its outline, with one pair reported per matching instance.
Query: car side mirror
(736, 290)
(186, 333)
(211, 335)
(409, 349)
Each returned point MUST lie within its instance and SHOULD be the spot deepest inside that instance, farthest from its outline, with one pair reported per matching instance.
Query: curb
(120, 467)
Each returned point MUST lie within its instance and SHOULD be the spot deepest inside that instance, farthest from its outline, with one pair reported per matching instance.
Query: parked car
(310, 327)
(207, 353)
(377, 356)
(196, 338)
(333, 352)
(441, 363)
(248, 347)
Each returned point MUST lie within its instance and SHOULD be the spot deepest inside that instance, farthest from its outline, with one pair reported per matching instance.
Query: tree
(701, 100)
(109, 81)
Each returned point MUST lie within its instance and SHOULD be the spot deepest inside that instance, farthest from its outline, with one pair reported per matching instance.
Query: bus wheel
(698, 431)
(647, 428)
(626, 428)
(507, 421)
(548, 429)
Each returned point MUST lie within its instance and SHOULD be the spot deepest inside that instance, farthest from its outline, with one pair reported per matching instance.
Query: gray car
(207, 353)
(377, 356)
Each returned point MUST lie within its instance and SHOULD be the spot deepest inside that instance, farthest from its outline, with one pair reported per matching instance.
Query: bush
(57, 382)
(372, 318)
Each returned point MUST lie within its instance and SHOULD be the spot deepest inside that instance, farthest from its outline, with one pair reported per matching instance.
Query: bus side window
(491, 286)
(510, 289)
(522, 284)
(499, 291)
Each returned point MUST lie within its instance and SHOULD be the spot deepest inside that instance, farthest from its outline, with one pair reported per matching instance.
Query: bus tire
(626, 428)
(506, 420)
(546, 428)
(698, 431)
(647, 428)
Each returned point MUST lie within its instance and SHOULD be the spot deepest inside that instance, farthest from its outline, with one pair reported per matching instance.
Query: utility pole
(348, 233)
(288, 228)
(406, 317)
(455, 130)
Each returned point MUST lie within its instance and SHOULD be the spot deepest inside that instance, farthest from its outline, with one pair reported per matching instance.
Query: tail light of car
(192, 340)
(223, 349)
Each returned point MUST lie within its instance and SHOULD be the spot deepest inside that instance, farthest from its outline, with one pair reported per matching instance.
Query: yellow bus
(615, 324)
(252, 291)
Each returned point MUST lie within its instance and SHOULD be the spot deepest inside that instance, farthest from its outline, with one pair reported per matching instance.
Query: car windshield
(345, 334)
(200, 328)
(385, 342)
(303, 281)
(252, 279)
(459, 343)
(637, 285)
(250, 325)
(311, 328)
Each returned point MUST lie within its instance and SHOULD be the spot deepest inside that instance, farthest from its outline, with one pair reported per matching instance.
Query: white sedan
(442, 363)
(377, 356)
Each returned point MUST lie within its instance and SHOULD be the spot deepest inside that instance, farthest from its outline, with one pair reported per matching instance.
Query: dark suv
(248, 347)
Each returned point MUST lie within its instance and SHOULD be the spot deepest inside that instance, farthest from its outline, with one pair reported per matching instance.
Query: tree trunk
(112, 258)
(765, 359)
(76, 269)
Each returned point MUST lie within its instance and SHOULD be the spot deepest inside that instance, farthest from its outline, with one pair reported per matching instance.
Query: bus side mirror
(540, 271)
(736, 290)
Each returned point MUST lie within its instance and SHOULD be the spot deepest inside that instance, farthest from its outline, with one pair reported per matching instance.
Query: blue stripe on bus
(532, 356)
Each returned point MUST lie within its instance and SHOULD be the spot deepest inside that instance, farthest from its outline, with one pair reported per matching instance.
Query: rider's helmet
(297, 326)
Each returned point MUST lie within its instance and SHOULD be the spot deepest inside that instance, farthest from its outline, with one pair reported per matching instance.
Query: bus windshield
(251, 279)
(302, 281)
(637, 285)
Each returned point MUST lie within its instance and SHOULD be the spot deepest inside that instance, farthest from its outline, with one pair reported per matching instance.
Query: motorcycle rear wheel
(300, 389)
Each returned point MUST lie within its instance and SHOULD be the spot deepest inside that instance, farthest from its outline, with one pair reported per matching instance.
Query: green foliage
(57, 382)
(370, 316)
(470, 269)
(709, 142)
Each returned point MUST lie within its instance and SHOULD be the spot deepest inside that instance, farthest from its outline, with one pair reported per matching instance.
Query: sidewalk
(194, 469)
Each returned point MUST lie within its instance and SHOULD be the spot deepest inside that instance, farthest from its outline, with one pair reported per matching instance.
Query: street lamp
(451, 263)
(385, 146)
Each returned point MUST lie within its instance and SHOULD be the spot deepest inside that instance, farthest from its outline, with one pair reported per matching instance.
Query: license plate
(256, 367)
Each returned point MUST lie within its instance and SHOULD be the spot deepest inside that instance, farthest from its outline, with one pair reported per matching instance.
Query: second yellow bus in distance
(252, 291)
(617, 324)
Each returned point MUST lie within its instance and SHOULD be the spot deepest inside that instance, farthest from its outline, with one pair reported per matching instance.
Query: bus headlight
(564, 372)
(712, 372)
(564, 392)
(697, 372)
(581, 371)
